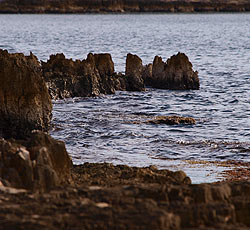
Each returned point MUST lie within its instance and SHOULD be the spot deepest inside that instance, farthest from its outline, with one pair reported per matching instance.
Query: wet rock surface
(120, 6)
(176, 73)
(25, 104)
(37, 163)
(119, 197)
(172, 120)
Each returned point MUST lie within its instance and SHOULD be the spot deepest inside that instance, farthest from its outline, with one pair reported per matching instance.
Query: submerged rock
(38, 163)
(172, 120)
(176, 73)
(25, 104)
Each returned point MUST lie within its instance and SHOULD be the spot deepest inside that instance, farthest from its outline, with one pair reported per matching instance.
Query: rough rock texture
(95, 6)
(176, 73)
(39, 163)
(172, 120)
(68, 78)
(147, 74)
(133, 73)
(24, 100)
(120, 197)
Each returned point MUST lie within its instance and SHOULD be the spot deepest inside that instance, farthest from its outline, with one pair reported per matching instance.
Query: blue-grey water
(103, 129)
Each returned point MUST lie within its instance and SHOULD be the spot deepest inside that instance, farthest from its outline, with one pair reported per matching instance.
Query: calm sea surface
(102, 129)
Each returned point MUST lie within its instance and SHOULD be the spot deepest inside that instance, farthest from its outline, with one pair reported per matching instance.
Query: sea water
(111, 128)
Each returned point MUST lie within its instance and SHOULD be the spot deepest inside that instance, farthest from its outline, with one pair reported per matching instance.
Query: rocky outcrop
(133, 73)
(25, 104)
(98, 6)
(176, 73)
(121, 197)
(172, 120)
(39, 163)
(91, 77)
(68, 78)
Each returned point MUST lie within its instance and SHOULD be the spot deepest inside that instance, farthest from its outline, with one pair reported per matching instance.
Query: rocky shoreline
(122, 6)
(40, 188)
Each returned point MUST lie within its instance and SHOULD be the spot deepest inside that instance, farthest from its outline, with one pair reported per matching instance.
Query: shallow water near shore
(109, 128)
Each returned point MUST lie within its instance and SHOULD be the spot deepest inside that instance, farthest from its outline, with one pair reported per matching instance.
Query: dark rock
(133, 73)
(68, 78)
(176, 73)
(120, 6)
(147, 74)
(38, 163)
(120, 197)
(25, 104)
(110, 175)
(172, 120)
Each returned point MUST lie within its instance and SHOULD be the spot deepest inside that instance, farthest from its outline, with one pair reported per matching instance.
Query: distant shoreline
(122, 6)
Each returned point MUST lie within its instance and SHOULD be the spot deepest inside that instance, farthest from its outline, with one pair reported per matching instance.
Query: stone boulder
(133, 73)
(176, 73)
(68, 78)
(25, 103)
(39, 163)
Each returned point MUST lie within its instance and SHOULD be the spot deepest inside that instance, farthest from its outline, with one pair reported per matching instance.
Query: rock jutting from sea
(41, 189)
(122, 6)
(95, 75)
(25, 103)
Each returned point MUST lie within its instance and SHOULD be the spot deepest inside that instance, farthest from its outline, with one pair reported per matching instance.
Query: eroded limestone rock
(25, 104)
(133, 73)
(38, 163)
(68, 78)
(176, 73)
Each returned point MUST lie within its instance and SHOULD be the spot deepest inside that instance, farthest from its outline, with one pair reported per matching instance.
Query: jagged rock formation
(133, 73)
(96, 6)
(121, 197)
(25, 104)
(176, 73)
(68, 78)
(38, 163)
(91, 77)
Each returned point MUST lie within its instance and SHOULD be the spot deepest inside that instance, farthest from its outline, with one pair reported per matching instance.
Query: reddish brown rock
(176, 73)
(68, 78)
(25, 104)
(121, 197)
(38, 163)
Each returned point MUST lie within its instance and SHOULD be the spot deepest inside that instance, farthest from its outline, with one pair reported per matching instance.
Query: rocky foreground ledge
(121, 6)
(120, 197)
(40, 188)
